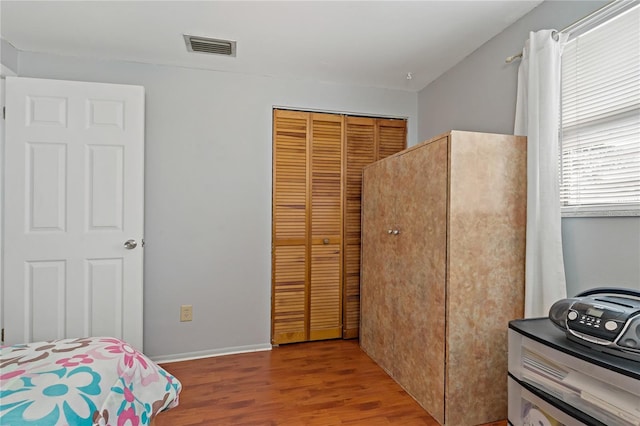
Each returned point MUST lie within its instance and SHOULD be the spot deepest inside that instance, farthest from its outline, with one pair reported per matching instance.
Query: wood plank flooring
(319, 383)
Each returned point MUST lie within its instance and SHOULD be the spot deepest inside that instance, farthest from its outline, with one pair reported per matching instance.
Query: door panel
(378, 320)
(325, 313)
(105, 186)
(104, 282)
(392, 137)
(46, 287)
(326, 177)
(74, 168)
(307, 226)
(289, 294)
(46, 192)
(368, 140)
(290, 177)
(290, 267)
(360, 152)
(325, 291)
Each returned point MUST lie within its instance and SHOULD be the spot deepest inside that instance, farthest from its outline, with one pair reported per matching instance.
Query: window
(600, 123)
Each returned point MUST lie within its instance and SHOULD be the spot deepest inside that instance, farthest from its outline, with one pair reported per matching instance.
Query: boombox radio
(605, 319)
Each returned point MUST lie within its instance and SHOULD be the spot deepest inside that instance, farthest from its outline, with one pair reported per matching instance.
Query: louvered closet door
(360, 152)
(367, 140)
(391, 137)
(326, 227)
(307, 227)
(290, 266)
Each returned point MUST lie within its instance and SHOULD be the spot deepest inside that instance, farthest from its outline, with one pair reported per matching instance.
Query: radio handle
(610, 290)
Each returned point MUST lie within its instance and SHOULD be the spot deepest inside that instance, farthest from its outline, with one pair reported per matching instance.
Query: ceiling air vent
(210, 45)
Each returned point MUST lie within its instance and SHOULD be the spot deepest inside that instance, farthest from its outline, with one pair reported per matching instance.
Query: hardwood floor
(319, 383)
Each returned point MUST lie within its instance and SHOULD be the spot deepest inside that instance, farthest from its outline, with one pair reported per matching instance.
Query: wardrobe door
(325, 292)
(378, 321)
(420, 270)
(290, 265)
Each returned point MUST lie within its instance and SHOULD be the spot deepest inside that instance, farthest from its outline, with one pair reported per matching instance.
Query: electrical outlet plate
(186, 313)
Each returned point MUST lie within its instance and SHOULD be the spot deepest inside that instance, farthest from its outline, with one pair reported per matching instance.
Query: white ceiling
(370, 43)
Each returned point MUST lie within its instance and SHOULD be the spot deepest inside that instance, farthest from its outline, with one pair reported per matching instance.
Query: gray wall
(208, 191)
(8, 57)
(479, 94)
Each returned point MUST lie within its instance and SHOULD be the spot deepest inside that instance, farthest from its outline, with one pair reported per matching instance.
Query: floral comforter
(89, 381)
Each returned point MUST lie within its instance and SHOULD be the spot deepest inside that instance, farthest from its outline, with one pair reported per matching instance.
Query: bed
(87, 381)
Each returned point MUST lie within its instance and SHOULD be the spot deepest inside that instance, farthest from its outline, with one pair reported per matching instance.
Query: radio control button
(610, 325)
(572, 315)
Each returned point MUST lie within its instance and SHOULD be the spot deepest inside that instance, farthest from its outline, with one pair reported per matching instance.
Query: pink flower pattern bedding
(97, 381)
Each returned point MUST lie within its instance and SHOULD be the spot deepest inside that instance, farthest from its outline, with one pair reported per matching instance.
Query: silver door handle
(396, 232)
(130, 244)
(390, 231)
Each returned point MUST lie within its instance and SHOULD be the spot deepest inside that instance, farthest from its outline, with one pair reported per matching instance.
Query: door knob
(390, 231)
(396, 232)
(130, 244)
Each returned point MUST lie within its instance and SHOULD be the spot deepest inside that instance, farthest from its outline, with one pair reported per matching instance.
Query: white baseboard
(187, 356)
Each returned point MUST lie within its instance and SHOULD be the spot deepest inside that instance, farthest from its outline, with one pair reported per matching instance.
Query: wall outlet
(186, 313)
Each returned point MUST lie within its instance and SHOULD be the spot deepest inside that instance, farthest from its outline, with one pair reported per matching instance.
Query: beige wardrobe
(443, 245)
(317, 167)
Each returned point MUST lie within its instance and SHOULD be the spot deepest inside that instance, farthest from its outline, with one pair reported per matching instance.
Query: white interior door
(73, 195)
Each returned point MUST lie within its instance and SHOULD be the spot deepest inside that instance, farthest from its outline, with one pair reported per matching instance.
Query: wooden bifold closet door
(307, 226)
(317, 177)
(368, 140)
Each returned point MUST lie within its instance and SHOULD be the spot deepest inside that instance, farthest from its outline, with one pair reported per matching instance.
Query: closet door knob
(396, 232)
(390, 231)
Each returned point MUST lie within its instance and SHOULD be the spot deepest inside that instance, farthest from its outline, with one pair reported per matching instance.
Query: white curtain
(537, 117)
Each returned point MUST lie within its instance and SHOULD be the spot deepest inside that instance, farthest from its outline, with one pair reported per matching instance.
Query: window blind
(600, 134)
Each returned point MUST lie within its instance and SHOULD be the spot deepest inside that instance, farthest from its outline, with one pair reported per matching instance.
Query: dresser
(554, 381)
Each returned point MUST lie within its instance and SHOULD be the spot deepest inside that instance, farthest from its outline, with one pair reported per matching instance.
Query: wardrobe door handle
(390, 231)
(396, 232)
